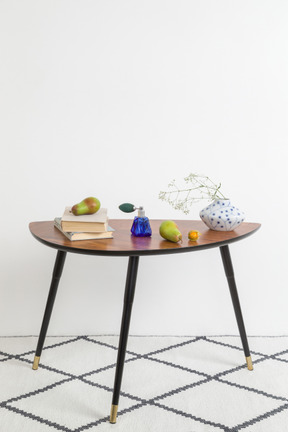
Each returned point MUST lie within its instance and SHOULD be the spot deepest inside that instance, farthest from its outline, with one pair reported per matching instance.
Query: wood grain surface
(125, 244)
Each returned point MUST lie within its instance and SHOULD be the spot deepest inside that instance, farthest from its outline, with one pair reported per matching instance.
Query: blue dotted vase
(221, 215)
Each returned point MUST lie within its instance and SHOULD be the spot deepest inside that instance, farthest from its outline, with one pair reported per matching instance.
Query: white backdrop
(114, 99)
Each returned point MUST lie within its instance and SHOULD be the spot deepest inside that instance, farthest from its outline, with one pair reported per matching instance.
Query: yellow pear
(170, 231)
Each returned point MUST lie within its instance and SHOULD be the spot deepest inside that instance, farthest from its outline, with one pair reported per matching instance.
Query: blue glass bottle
(141, 225)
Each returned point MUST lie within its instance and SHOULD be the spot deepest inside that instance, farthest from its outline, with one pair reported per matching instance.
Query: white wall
(115, 99)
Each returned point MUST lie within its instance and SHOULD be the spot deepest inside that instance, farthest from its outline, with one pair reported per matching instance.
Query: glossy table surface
(124, 244)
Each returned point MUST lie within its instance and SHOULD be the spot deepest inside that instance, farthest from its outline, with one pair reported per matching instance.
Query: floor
(183, 384)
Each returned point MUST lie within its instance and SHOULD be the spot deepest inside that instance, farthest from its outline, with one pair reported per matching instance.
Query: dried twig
(201, 187)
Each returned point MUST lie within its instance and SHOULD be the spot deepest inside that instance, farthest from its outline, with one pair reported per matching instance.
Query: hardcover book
(97, 222)
(83, 235)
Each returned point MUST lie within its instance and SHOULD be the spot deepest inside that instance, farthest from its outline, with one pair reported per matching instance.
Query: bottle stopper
(129, 208)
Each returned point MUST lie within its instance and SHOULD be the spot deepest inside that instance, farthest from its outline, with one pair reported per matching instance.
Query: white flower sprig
(201, 187)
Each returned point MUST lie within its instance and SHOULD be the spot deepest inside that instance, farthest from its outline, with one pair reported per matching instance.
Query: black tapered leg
(228, 267)
(57, 272)
(126, 315)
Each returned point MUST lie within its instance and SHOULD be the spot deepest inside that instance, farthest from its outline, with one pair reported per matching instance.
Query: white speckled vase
(221, 215)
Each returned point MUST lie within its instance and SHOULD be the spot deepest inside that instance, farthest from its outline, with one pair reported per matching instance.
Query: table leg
(126, 315)
(228, 267)
(57, 272)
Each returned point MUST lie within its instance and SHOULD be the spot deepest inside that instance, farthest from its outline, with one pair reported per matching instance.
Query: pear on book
(89, 205)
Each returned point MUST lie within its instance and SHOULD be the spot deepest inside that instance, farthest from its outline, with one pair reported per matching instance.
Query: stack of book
(85, 227)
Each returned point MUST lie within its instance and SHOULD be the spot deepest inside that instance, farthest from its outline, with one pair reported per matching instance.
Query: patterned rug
(170, 384)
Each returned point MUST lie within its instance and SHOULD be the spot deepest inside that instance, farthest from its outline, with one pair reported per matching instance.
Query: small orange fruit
(193, 235)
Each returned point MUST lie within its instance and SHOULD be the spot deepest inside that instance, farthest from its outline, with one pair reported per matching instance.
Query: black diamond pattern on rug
(185, 384)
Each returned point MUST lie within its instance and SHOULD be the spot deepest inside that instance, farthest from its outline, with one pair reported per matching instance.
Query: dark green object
(127, 207)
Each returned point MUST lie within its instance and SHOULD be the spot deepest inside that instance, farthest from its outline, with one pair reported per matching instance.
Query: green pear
(89, 205)
(169, 231)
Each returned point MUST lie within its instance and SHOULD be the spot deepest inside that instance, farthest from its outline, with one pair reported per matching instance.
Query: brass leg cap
(36, 363)
(113, 414)
(249, 363)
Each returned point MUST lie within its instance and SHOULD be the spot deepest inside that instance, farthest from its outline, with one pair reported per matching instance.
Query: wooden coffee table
(123, 244)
